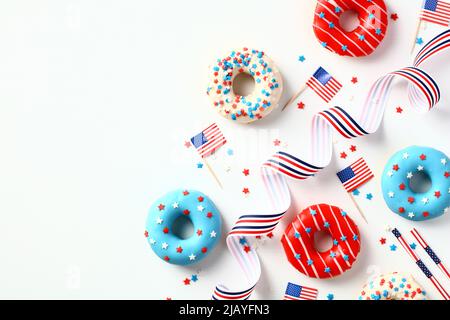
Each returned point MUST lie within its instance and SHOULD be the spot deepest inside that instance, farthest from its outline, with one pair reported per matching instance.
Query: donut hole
(420, 182)
(349, 20)
(323, 241)
(183, 227)
(243, 84)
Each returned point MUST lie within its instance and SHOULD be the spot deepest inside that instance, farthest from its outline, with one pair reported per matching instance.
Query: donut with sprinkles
(392, 286)
(163, 216)
(416, 183)
(364, 39)
(259, 103)
(298, 241)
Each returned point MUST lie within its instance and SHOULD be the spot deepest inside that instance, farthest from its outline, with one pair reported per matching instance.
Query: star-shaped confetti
(164, 245)
(192, 257)
(343, 155)
(199, 165)
(419, 41)
(301, 58)
(353, 148)
(369, 196)
(212, 234)
(175, 205)
(354, 80)
(276, 142)
(246, 191)
(199, 232)
(330, 296)
(187, 282)
(187, 144)
(444, 161)
(194, 278)
(393, 247)
(437, 194)
(246, 172)
(394, 16)
(161, 207)
(356, 192)
(159, 220)
(383, 241)
(301, 105)
(146, 234)
(413, 246)
(247, 248)
(399, 109)
(391, 194)
(200, 208)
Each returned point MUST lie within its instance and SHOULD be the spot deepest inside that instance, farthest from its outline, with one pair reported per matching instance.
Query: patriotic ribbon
(423, 93)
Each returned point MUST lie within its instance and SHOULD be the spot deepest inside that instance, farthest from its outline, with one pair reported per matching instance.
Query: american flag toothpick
(207, 142)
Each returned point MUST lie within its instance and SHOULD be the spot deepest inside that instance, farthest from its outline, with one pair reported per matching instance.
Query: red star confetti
(395, 167)
(401, 210)
(246, 172)
(354, 80)
(204, 249)
(161, 207)
(199, 232)
(411, 200)
(166, 230)
(247, 248)
(301, 105)
(187, 144)
(187, 282)
(209, 215)
(200, 199)
(423, 157)
(166, 258)
(437, 194)
(276, 142)
(146, 233)
(399, 110)
(246, 191)
(168, 298)
(270, 235)
(186, 212)
(180, 249)
(185, 192)
(447, 174)
(426, 214)
(394, 16)
(353, 148)
(343, 155)
(383, 241)
(402, 186)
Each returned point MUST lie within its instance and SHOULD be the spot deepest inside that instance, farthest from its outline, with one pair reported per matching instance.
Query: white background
(96, 100)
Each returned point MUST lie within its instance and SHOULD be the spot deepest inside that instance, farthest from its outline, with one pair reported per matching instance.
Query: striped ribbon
(423, 93)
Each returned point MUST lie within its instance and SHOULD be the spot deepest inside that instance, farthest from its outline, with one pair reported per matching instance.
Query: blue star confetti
(393, 247)
(419, 41)
(301, 58)
(230, 152)
(369, 196)
(413, 246)
(194, 278)
(356, 192)
(330, 296)
(199, 165)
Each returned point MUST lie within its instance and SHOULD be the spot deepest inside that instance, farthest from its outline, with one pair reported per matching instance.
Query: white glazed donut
(392, 286)
(258, 104)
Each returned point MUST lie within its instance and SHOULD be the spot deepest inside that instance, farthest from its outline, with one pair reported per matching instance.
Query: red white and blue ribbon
(423, 93)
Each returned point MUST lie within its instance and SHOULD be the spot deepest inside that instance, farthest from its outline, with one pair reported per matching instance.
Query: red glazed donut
(298, 241)
(364, 39)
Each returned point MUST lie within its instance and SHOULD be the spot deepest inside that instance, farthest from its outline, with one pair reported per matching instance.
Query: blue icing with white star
(205, 219)
(399, 171)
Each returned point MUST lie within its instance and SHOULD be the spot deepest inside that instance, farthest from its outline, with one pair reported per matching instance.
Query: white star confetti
(164, 245)
(409, 175)
(390, 173)
(444, 161)
(406, 155)
(411, 214)
(200, 208)
(420, 168)
(175, 205)
(213, 234)
(159, 221)
(192, 257)
(152, 241)
(425, 200)
(391, 194)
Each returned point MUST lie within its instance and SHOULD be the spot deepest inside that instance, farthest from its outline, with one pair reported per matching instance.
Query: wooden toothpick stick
(212, 173)
(295, 96)
(357, 207)
(419, 24)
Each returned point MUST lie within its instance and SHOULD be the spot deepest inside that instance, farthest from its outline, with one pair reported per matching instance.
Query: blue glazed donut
(166, 210)
(398, 173)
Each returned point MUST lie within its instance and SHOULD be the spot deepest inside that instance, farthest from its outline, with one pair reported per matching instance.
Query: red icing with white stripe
(362, 41)
(298, 241)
